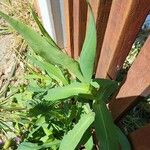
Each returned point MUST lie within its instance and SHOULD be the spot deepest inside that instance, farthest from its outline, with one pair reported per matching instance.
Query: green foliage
(45, 49)
(88, 52)
(71, 90)
(74, 136)
(53, 71)
(42, 29)
(105, 127)
(33, 146)
(125, 145)
(62, 109)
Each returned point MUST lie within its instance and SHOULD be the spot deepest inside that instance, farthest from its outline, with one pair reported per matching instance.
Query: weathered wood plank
(68, 11)
(140, 138)
(125, 20)
(137, 83)
(79, 24)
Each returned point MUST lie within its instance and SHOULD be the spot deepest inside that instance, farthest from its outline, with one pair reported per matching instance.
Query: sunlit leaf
(53, 71)
(73, 137)
(42, 29)
(67, 91)
(41, 46)
(88, 52)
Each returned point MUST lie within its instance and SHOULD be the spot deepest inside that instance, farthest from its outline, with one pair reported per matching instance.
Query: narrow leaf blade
(125, 145)
(41, 46)
(53, 71)
(73, 137)
(104, 126)
(88, 52)
(42, 29)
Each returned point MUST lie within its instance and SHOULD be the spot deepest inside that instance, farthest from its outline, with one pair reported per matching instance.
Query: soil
(7, 57)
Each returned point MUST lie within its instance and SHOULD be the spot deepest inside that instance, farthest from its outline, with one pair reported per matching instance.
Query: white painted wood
(57, 18)
(52, 13)
(47, 18)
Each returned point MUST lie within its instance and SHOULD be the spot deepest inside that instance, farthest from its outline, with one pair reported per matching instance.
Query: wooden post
(79, 24)
(101, 10)
(68, 11)
(140, 138)
(125, 20)
(136, 86)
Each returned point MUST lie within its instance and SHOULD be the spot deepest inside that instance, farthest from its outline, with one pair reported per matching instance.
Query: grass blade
(41, 46)
(88, 52)
(67, 91)
(73, 137)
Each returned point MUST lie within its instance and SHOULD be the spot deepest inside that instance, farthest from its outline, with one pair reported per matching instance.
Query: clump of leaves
(76, 105)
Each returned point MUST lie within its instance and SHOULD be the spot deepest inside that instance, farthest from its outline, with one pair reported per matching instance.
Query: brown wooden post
(136, 86)
(101, 10)
(68, 11)
(140, 138)
(125, 20)
(79, 24)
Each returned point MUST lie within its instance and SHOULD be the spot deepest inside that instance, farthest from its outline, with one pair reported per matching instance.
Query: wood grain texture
(126, 18)
(140, 138)
(79, 25)
(136, 86)
(101, 10)
(68, 11)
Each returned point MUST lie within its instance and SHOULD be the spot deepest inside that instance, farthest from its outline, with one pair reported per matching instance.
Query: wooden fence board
(140, 138)
(137, 83)
(101, 10)
(68, 11)
(125, 20)
(79, 24)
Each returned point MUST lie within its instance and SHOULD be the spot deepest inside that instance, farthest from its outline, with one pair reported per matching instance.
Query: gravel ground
(7, 57)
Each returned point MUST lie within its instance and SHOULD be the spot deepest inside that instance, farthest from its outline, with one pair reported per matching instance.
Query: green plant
(74, 108)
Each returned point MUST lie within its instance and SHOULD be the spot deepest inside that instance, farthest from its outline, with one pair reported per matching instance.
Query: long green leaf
(41, 46)
(125, 145)
(42, 29)
(67, 91)
(73, 137)
(88, 52)
(105, 129)
(53, 71)
(107, 88)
